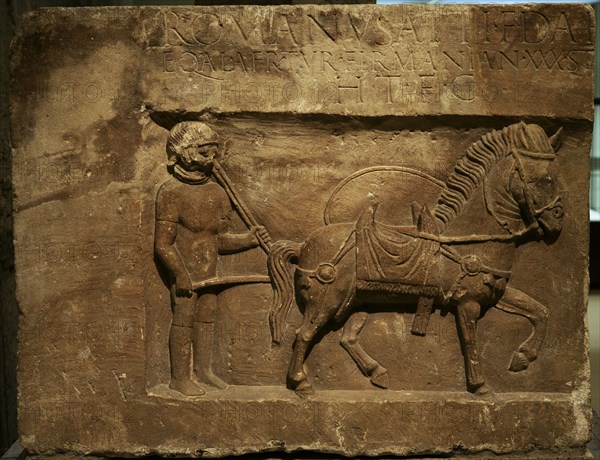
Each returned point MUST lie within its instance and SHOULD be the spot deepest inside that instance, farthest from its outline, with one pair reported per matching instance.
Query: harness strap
(529, 211)
(471, 265)
(326, 272)
(469, 239)
(422, 315)
(344, 248)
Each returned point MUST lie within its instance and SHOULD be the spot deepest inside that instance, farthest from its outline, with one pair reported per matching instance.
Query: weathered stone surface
(186, 178)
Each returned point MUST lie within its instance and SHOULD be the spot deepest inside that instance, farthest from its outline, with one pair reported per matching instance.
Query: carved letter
(562, 25)
(331, 30)
(534, 26)
(171, 20)
(208, 28)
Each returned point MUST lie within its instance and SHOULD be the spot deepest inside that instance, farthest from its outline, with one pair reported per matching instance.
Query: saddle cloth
(389, 259)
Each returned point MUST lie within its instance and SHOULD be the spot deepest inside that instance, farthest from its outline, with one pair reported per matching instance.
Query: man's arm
(165, 234)
(164, 246)
(230, 243)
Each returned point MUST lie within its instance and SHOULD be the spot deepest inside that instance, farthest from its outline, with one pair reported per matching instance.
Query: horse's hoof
(380, 378)
(519, 362)
(304, 389)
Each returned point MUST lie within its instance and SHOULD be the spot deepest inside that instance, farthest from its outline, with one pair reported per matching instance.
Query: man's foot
(186, 387)
(209, 378)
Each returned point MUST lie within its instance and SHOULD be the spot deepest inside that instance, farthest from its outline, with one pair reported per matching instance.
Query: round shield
(393, 187)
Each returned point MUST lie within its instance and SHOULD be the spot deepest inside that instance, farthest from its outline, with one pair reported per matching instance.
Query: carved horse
(458, 256)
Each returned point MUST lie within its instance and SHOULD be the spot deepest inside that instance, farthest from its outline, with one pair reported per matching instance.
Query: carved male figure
(192, 220)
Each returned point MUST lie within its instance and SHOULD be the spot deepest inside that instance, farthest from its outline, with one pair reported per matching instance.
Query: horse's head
(533, 182)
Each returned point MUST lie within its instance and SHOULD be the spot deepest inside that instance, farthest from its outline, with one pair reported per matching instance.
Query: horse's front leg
(467, 315)
(518, 303)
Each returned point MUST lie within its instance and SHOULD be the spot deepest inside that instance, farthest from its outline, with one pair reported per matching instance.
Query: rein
(471, 239)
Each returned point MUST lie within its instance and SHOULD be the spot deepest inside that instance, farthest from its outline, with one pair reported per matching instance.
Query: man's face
(199, 158)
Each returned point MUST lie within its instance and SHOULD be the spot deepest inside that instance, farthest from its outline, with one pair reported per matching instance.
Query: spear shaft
(239, 205)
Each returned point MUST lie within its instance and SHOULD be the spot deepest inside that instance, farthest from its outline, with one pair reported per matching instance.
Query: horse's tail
(280, 263)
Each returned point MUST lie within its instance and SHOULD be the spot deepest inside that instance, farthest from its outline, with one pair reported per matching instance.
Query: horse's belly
(382, 298)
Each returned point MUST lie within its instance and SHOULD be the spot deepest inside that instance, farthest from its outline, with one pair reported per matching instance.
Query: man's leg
(204, 332)
(180, 346)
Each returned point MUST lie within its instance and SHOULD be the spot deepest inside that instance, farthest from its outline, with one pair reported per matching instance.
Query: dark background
(594, 255)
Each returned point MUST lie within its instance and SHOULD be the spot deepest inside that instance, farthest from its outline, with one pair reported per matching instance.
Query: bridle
(531, 214)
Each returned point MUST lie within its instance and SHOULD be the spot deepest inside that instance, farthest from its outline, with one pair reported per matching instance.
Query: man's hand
(261, 233)
(183, 286)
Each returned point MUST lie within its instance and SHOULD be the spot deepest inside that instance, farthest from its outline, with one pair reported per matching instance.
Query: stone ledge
(337, 422)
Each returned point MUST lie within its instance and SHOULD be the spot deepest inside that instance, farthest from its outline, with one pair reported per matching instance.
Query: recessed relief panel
(358, 230)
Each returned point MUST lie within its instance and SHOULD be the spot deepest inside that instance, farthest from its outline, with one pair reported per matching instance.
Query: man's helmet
(185, 134)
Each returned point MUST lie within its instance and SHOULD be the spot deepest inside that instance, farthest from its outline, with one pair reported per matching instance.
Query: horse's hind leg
(367, 365)
(518, 303)
(315, 318)
(296, 377)
(467, 315)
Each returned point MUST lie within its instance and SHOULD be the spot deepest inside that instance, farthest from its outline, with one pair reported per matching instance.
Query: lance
(238, 204)
(231, 281)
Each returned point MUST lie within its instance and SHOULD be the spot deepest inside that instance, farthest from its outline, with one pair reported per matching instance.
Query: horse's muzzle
(551, 223)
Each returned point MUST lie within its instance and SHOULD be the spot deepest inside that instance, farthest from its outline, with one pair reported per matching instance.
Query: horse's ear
(556, 140)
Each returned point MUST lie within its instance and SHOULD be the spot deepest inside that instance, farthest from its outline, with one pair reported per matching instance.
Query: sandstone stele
(212, 203)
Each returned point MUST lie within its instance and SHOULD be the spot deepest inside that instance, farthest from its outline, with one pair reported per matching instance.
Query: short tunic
(201, 213)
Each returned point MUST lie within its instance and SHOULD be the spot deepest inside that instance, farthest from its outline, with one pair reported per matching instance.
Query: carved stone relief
(357, 230)
(342, 268)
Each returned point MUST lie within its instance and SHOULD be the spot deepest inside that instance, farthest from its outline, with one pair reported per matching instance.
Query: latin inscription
(338, 57)
(423, 27)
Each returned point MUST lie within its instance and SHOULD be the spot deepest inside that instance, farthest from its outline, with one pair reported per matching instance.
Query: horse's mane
(480, 158)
